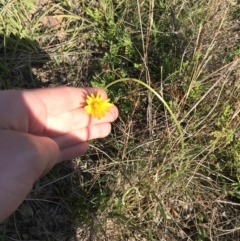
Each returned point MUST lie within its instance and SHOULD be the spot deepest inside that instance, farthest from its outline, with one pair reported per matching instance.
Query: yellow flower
(96, 106)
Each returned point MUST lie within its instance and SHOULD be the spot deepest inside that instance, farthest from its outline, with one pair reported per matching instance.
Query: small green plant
(225, 133)
(114, 40)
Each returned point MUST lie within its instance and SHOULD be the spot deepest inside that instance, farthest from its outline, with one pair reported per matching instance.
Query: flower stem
(159, 97)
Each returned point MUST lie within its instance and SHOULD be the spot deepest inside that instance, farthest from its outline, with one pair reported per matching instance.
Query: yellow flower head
(96, 106)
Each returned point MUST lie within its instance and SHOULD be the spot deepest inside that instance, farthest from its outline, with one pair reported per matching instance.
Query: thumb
(24, 158)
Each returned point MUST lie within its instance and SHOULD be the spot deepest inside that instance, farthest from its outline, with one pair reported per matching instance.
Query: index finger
(58, 100)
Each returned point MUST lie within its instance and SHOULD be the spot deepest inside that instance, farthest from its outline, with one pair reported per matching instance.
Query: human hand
(38, 129)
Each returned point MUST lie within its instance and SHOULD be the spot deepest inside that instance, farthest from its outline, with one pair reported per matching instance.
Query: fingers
(60, 110)
(75, 119)
(49, 112)
(82, 135)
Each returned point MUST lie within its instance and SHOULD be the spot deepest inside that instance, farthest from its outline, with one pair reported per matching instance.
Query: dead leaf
(52, 21)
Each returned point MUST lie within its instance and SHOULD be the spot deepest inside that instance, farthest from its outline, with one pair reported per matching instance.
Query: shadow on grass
(19, 59)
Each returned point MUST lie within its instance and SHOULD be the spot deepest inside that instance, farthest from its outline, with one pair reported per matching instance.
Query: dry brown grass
(139, 184)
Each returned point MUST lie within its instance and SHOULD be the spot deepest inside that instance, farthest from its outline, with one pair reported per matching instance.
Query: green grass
(139, 183)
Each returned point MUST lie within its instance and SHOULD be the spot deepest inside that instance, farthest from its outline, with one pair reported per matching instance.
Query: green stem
(159, 97)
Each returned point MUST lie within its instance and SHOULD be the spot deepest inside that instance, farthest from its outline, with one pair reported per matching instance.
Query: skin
(38, 129)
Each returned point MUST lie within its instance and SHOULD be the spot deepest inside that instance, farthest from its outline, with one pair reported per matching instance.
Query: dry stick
(145, 60)
(148, 78)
